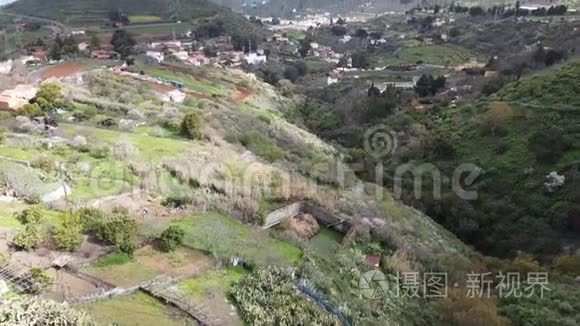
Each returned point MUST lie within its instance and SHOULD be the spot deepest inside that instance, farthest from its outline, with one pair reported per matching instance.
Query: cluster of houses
(183, 51)
(325, 53)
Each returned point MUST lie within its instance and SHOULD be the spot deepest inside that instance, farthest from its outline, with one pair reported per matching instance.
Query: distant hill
(83, 12)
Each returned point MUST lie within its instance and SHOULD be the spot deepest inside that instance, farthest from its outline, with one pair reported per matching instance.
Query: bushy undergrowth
(33, 311)
(268, 297)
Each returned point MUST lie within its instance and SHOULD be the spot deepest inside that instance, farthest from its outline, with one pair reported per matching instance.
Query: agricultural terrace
(136, 309)
(213, 291)
(144, 19)
(146, 263)
(225, 237)
(441, 55)
(193, 83)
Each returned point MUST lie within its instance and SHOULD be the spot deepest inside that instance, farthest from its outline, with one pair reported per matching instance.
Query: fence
(308, 290)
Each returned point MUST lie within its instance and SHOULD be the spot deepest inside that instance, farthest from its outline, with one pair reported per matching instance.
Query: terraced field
(144, 19)
(443, 55)
(136, 309)
(227, 237)
(188, 81)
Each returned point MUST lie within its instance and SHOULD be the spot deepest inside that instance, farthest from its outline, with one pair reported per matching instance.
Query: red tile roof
(374, 260)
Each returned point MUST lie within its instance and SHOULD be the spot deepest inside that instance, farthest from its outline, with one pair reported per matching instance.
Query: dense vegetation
(269, 297)
(16, 310)
(517, 142)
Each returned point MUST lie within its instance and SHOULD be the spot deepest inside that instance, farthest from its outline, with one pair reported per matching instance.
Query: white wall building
(157, 56)
(255, 58)
(6, 67)
(181, 55)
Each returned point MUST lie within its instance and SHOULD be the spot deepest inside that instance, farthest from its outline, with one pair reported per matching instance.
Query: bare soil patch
(242, 94)
(67, 286)
(62, 70)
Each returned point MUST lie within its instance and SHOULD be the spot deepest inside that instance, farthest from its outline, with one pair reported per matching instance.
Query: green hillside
(558, 87)
(528, 131)
(76, 12)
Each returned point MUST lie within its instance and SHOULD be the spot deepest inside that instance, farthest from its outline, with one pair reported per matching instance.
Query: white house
(198, 59)
(28, 59)
(331, 80)
(80, 32)
(83, 46)
(181, 55)
(157, 56)
(345, 39)
(6, 67)
(255, 58)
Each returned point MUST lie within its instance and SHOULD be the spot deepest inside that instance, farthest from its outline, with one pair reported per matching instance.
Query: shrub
(171, 238)
(567, 265)
(37, 312)
(493, 86)
(338, 30)
(44, 163)
(454, 32)
(49, 96)
(549, 145)
(99, 152)
(86, 114)
(117, 258)
(262, 146)
(192, 125)
(291, 73)
(32, 199)
(3, 132)
(69, 233)
(29, 238)
(455, 309)
(173, 125)
(269, 297)
(286, 87)
(90, 218)
(174, 202)
(32, 215)
(30, 110)
(121, 231)
(41, 278)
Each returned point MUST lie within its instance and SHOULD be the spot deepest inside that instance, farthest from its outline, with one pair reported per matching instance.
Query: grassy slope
(95, 12)
(63, 10)
(446, 55)
(218, 280)
(556, 88)
(233, 238)
(217, 233)
(135, 309)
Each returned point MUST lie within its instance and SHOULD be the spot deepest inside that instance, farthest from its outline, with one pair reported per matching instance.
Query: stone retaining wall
(323, 216)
